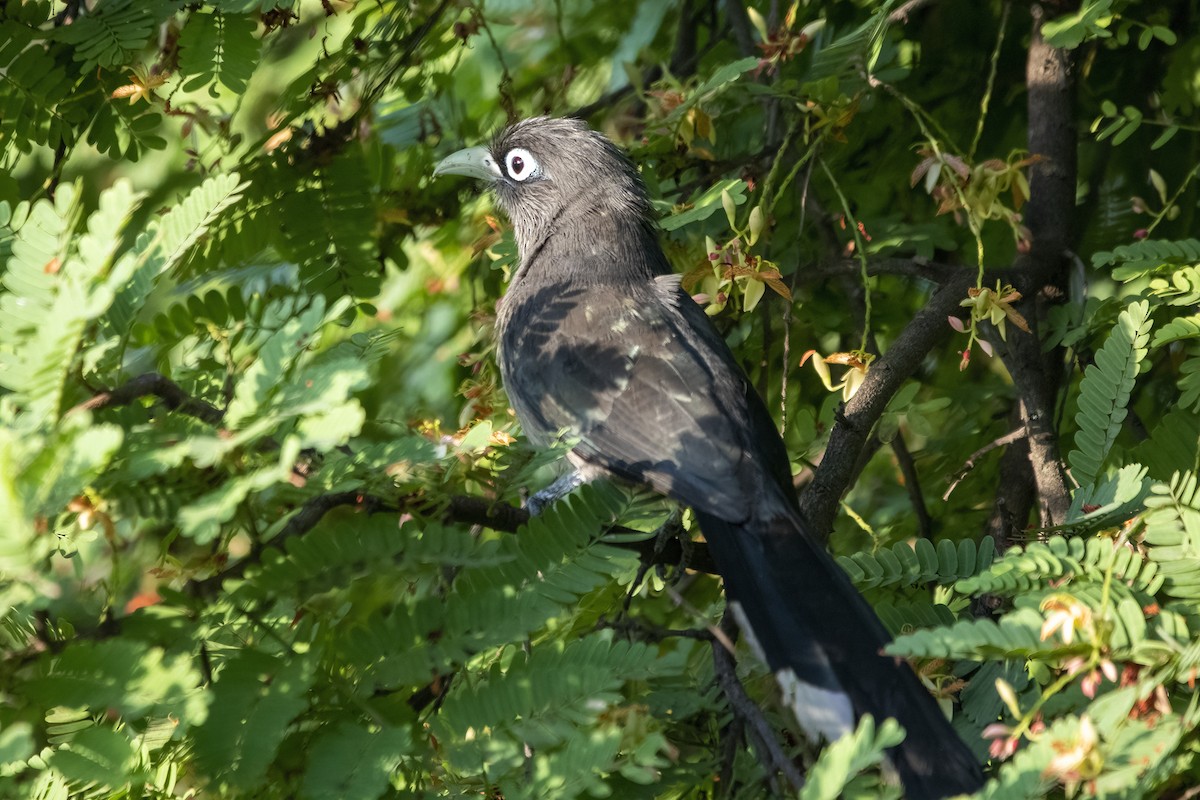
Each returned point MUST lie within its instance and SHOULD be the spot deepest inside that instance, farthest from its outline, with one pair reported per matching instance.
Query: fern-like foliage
(1177, 330)
(352, 760)
(1173, 446)
(1016, 635)
(55, 287)
(327, 226)
(1041, 566)
(129, 677)
(217, 48)
(34, 90)
(534, 702)
(159, 249)
(98, 756)
(256, 698)
(1104, 393)
(921, 562)
(112, 31)
(866, 746)
(1108, 502)
(1173, 528)
(1150, 255)
(555, 561)
(841, 55)
(124, 131)
(576, 678)
(1189, 382)
(1181, 288)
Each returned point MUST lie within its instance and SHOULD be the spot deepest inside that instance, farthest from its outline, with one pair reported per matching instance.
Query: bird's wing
(647, 397)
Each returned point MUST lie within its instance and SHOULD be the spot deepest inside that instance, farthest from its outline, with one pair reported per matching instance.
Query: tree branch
(461, 509)
(156, 385)
(819, 502)
(969, 464)
(1050, 217)
(912, 483)
(914, 267)
(472, 510)
(900, 15)
(743, 31)
(745, 709)
(1016, 495)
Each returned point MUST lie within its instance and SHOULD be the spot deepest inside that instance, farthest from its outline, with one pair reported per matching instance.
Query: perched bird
(597, 341)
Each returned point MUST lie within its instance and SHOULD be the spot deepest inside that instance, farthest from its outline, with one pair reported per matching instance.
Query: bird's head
(548, 171)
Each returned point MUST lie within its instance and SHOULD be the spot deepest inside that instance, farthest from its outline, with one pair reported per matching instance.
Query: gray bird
(597, 340)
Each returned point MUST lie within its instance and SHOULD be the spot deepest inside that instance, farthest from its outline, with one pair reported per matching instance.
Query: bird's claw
(537, 502)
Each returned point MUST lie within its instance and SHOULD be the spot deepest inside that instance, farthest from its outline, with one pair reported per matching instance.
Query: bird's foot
(671, 528)
(540, 500)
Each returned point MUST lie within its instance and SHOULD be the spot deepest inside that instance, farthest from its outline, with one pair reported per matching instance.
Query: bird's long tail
(825, 644)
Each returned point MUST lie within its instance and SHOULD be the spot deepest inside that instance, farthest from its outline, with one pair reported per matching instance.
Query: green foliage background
(258, 479)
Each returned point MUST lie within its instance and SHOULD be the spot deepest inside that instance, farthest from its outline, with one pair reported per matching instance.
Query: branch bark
(1041, 274)
(745, 709)
(152, 384)
(969, 464)
(461, 509)
(850, 434)
(912, 483)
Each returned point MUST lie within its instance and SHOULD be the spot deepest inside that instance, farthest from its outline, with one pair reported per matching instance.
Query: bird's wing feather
(626, 377)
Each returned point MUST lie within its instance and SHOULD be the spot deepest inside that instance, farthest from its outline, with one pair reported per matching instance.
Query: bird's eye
(521, 164)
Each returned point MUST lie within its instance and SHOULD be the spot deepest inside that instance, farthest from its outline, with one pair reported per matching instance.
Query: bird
(599, 345)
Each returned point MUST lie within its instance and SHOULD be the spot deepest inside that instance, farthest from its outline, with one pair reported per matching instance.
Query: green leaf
(353, 762)
(1105, 389)
(1071, 30)
(254, 700)
(99, 756)
(848, 756)
(217, 47)
(16, 745)
(114, 31)
(166, 242)
(128, 676)
(703, 207)
(1165, 35)
(201, 520)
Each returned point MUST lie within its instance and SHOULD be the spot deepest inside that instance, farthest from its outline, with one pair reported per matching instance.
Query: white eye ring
(520, 164)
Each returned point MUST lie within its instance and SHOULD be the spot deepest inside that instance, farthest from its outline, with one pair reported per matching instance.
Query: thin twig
(719, 634)
(860, 250)
(912, 483)
(969, 464)
(152, 384)
(900, 15)
(991, 82)
(646, 632)
(791, 304)
(774, 759)
(505, 86)
(461, 509)
(914, 267)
